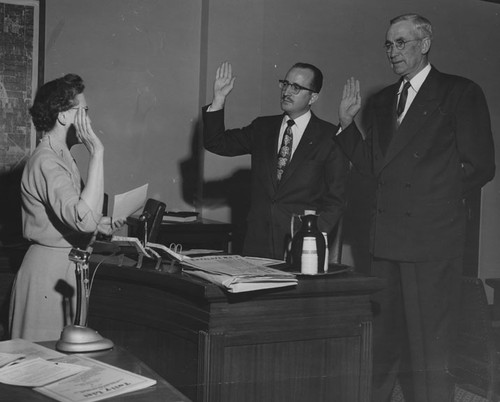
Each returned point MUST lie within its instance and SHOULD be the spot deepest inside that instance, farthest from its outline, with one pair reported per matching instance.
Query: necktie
(285, 152)
(402, 98)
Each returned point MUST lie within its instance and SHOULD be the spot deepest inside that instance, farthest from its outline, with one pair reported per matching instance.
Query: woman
(58, 212)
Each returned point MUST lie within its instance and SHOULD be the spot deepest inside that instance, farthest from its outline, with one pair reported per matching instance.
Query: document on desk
(65, 378)
(238, 274)
(28, 349)
(27, 364)
(9, 358)
(37, 372)
(100, 381)
(127, 203)
(125, 242)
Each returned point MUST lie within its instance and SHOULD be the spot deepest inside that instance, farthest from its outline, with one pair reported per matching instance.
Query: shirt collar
(417, 81)
(301, 121)
(60, 149)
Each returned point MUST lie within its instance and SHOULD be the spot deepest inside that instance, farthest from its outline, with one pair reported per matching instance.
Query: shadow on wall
(232, 191)
(191, 170)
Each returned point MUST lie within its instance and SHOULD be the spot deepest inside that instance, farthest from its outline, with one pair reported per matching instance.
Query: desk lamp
(78, 338)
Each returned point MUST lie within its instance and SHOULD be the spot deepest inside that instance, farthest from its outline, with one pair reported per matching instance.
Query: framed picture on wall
(21, 72)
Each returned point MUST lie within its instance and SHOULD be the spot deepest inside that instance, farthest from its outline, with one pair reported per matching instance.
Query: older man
(429, 144)
(295, 165)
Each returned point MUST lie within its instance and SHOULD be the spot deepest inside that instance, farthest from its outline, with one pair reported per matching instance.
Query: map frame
(22, 25)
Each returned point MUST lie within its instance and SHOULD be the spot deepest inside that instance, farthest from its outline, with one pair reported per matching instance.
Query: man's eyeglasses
(398, 44)
(294, 88)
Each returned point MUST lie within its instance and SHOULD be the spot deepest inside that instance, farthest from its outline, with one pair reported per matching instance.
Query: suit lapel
(271, 151)
(386, 118)
(423, 106)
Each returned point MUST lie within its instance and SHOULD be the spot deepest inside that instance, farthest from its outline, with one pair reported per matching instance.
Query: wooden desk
(119, 357)
(202, 233)
(306, 343)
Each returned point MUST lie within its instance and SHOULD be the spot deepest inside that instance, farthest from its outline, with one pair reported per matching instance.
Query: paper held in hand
(127, 203)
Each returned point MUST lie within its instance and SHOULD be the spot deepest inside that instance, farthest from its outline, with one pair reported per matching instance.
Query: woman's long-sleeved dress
(55, 219)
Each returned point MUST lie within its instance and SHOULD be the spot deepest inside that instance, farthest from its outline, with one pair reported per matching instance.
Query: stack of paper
(64, 378)
(238, 274)
(131, 244)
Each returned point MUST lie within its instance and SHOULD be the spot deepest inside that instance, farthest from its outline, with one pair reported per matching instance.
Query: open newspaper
(232, 272)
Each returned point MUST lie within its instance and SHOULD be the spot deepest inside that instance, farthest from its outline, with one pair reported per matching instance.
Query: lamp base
(79, 339)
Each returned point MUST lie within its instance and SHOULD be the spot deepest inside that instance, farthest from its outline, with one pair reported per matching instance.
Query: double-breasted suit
(442, 150)
(314, 179)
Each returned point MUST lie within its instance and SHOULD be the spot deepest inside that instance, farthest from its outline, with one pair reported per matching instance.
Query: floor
(461, 395)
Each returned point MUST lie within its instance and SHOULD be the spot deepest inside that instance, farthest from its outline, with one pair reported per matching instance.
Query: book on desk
(179, 216)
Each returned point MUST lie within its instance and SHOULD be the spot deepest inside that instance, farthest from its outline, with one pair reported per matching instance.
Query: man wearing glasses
(429, 145)
(295, 165)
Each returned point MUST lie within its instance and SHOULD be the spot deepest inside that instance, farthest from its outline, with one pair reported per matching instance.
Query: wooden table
(306, 343)
(119, 357)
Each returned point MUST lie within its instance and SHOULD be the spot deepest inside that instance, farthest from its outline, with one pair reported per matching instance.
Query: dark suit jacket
(314, 179)
(442, 151)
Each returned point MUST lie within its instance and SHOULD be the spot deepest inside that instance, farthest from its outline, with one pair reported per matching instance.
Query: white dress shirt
(415, 84)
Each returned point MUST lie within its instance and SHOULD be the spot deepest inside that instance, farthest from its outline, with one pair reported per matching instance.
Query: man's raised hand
(223, 84)
(350, 103)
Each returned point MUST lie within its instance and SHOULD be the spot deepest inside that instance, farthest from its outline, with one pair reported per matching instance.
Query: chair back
(151, 219)
(336, 242)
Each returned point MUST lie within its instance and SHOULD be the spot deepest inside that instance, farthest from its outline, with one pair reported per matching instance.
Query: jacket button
(416, 155)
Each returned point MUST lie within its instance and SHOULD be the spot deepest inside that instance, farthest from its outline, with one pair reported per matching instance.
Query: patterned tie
(402, 99)
(285, 152)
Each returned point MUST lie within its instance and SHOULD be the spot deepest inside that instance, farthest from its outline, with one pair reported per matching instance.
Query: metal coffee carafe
(308, 247)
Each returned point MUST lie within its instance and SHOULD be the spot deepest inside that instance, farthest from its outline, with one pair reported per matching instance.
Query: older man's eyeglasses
(294, 88)
(398, 44)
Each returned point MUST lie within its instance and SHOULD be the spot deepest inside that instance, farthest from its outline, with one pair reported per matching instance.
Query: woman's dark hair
(54, 97)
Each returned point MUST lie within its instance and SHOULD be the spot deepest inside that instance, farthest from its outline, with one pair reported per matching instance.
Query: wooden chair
(151, 219)
(475, 358)
(336, 241)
